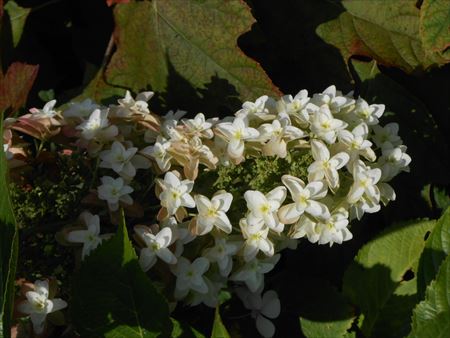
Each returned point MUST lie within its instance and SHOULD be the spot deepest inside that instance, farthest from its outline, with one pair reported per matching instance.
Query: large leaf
(8, 247)
(160, 43)
(219, 330)
(382, 282)
(385, 30)
(332, 315)
(434, 27)
(112, 296)
(431, 317)
(437, 248)
(16, 84)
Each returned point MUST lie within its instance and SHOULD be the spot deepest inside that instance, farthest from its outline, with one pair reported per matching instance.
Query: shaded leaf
(437, 247)
(16, 84)
(386, 31)
(17, 16)
(435, 27)
(112, 296)
(219, 330)
(334, 304)
(382, 282)
(113, 2)
(431, 318)
(192, 39)
(8, 248)
(182, 330)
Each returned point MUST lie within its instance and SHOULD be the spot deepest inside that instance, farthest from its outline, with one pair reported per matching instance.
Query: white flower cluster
(352, 160)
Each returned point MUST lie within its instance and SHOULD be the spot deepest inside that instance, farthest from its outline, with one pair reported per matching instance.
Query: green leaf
(437, 247)
(384, 30)
(332, 304)
(431, 318)
(112, 296)
(163, 43)
(434, 27)
(182, 330)
(8, 248)
(382, 282)
(219, 330)
(17, 16)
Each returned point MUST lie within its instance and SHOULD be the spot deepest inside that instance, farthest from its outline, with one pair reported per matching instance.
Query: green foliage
(431, 317)
(8, 248)
(182, 330)
(53, 194)
(219, 330)
(434, 22)
(17, 16)
(389, 32)
(112, 296)
(382, 280)
(437, 247)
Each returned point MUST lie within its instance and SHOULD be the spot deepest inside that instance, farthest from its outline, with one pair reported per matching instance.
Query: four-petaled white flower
(156, 246)
(258, 109)
(159, 152)
(199, 125)
(264, 208)
(294, 106)
(364, 184)
(114, 191)
(190, 276)
(324, 166)
(80, 109)
(98, 126)
(38, 305)
(236, 133)
(90, 238)
(175, 193)
(277, 135)
(356, 142)
(267, 306)
(304, 198)
(222, 253)
(387, 134)
(129, 106)
(325, 126)
(369, 114)
(393, 161)
(212, 213)
(46, 112)
(252, 273)
(255, 239)
(333, 99)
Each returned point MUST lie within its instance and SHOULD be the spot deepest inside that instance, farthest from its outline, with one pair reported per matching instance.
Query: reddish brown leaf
(16, 85)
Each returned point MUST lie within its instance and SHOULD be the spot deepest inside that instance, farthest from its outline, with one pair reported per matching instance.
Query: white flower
(222, 253)
(267, 306)
(325, 126)
(156, 246)
(181, 235)
(199, 125)
(175, 193)
(333, 99)
(80, 109)
(387, 193)
(91, 237)
(356, 142)
(365, 113)
(263, 208)
(294, 106)
(46, 112)
(213, 213)
(331, 230)
(393, 161)
(211, 298)
(365, 180)
(258, 109)
(386, 134)
(304, 198)
(9, 155)
(114, 191)
(129, 106)
(255, 239)
(252, 273)
(190, 276)
(324, 166)
(278, 134)
(236, 133)
(38, 305)
(123, 161)
(159, 152)
(97, 126)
